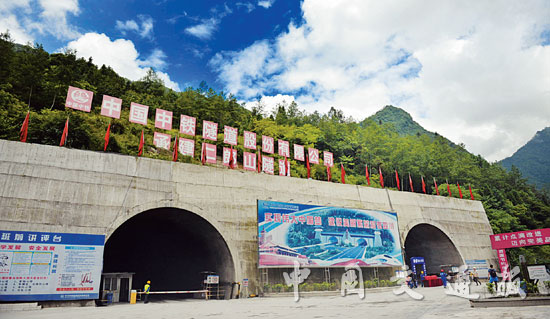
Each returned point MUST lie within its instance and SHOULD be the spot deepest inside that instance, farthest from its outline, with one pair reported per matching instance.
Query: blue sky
(188, 33)
(478, 74)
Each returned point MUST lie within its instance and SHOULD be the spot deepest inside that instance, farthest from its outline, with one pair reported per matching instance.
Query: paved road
(352, 253)
(436, 305)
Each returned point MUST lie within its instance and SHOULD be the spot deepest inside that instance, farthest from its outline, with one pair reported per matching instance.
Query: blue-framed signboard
(49, 266)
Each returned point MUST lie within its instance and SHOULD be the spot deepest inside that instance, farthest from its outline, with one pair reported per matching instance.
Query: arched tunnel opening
(170, 247)
(430, 242)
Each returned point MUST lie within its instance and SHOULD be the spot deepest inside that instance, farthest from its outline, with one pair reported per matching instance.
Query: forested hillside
(30, 78)
(533, 160)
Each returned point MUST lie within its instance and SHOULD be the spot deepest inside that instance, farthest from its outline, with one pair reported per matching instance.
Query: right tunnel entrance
(427, 241)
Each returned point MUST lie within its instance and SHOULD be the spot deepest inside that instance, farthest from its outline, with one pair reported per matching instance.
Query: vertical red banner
(503, 262)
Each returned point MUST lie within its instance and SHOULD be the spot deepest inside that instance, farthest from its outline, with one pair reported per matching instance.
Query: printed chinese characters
(350, 279)
(187, 125)
(295, 278)
(138, 113)
(462, 287)
(404, 288)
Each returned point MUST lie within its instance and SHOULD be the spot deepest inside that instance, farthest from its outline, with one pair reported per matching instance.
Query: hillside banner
(49, 266)
(321, 236)
(521, 238)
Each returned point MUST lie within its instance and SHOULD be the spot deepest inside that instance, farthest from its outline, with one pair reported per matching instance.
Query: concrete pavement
(436, 304)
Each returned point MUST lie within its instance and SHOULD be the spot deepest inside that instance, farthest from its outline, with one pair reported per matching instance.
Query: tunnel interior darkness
(170, 247)
(428, 241)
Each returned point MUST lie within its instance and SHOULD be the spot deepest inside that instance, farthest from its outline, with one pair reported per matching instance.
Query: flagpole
(30, 95)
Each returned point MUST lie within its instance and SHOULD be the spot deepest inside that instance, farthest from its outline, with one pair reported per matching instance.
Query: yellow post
(133, 296)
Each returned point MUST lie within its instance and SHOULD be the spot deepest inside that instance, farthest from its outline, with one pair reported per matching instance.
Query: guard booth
(116, 286)
(211, 284)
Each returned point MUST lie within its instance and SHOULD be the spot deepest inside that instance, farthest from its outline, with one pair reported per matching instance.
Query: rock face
(533, 159)
(48, 188)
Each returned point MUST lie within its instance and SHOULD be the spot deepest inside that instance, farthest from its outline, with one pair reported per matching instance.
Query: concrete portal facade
(55, 189)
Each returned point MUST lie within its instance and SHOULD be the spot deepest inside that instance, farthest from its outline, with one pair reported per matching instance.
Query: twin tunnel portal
(174, 247)
(170, 222)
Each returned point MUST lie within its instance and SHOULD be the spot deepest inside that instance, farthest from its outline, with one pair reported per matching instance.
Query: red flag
(24, 128)
(231, 165)
(175, 153)
(308, 167)
(65, 133)
(459, 190)
(107, 134)
(203, 155)
(436, 188)
(367, 174)
(259, 162)
(381, 177)
(411, 183)
(329, 174)
(141, 142)
(342, 173)
(397, 179)
(448, 188)
(471, 194)
(423, 185)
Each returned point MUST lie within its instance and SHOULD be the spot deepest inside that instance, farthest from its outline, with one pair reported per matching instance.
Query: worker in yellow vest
(146, 291)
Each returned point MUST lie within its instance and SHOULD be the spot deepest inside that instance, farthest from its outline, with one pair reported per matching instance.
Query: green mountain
(401, 122)
(533, 159)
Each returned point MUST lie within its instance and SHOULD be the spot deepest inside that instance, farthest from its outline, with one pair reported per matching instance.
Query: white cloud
(270, 103)
(266, 3)
(144, 31)
(248, 5)
(247, 65)
(122, 56)
(168, 82)
(477, 74)
(17, 32)
(204, 30)
(156, 59)
(54, 18)
(24, 17)
(128, 25)
(146, 27)
(7, 5)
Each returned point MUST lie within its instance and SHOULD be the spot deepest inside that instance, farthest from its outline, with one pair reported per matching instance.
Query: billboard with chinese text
(320, 236)
(49, 266)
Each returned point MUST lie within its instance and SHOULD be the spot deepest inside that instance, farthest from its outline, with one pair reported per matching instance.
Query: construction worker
(146, 291)
(443, 276)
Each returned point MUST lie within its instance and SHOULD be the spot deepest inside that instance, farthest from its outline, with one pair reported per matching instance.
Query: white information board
(538, 272)
(49, 266)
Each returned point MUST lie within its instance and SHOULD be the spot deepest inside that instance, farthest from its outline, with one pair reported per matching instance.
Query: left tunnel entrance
(170, 247)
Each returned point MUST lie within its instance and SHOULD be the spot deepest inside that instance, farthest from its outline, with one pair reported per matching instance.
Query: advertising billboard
(49, 266)
(320, 236)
